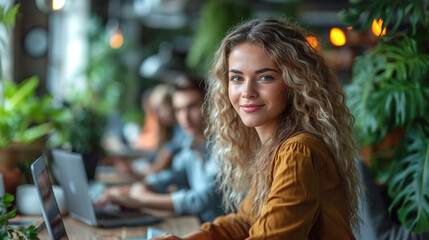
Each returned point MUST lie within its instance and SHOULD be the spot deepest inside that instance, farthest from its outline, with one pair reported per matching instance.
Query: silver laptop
(51, 213)
(72, 177)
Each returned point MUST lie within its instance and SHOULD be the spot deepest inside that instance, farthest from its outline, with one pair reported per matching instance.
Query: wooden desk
(77, 230)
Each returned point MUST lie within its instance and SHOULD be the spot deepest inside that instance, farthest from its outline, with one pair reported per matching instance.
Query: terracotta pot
(8, 158)
(11, 179)
(13, 155)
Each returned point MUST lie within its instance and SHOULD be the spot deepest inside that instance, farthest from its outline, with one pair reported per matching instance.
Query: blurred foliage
(107, 82)
(85, 130)
(390, 90)
(217, 17)
(7, 18)
(104, 73)
(26, 117)
(361, 13)
(10, 231)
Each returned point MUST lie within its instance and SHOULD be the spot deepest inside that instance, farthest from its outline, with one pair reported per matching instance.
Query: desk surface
(78, 230)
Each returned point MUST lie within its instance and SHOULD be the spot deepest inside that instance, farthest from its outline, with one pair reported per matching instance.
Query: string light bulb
(377, 28)
(57, 5)
(116, 39)
(337, 37)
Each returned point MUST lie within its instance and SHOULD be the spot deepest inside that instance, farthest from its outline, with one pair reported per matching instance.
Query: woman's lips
(251, 107)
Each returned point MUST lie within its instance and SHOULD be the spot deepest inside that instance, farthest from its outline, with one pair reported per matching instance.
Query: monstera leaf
(409, 184)
(389, 89)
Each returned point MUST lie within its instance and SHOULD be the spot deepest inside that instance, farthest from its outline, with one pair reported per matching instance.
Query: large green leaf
(23, 91)
(7, 17)
(26, 117)
(409, 185)
(389, 89)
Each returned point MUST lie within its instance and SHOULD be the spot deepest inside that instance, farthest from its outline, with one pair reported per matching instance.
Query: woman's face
(165, 114)
(256, 88)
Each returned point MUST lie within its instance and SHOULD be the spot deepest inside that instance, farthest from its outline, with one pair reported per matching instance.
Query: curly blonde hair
(315, 104)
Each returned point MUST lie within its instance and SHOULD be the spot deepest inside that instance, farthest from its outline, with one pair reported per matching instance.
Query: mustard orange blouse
(307, 199)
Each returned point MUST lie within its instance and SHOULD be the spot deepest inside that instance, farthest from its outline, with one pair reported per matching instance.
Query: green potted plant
(11, 231)
(17, 126)
(26, 122)
(389, 93)
(26, 119)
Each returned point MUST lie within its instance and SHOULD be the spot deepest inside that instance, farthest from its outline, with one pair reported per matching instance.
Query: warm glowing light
(376, 28)
(116, 40)
(350, 28)
(312, 41)
(58, 4)
(337, 37)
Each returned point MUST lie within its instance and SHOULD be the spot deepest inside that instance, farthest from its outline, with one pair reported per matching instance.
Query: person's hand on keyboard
(118, 195)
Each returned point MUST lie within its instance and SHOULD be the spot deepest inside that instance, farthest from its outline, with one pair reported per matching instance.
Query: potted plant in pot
(25, 123)
(83, 133)
(389, 95)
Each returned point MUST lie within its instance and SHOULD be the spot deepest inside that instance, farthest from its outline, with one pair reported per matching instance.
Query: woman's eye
(266, 78)
(234, 78)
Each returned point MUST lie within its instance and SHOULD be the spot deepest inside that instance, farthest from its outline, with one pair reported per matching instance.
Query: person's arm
(169, 149)
(151, 200)
(203, 198)
(160, 181)
(162, 161)
(118, 195)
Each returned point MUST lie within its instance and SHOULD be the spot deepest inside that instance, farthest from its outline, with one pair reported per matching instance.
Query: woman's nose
(249, 89)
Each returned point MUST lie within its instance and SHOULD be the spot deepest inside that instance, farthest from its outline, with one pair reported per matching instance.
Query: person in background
(165, 132)
(283, 134)
(193, 169)
(148, 138)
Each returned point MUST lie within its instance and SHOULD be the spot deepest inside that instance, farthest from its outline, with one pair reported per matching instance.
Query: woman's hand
(167, 236)
(198, 235)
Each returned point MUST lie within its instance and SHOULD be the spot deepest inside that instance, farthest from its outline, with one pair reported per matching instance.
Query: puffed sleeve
(293, 203)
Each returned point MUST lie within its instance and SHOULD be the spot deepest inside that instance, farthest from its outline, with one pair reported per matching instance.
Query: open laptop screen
(51, 212)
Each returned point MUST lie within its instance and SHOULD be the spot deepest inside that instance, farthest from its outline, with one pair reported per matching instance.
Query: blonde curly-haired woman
(283, 134)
